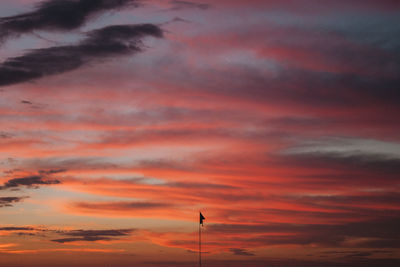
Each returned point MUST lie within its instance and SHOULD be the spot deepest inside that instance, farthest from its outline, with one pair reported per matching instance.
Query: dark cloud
(118, 206)
(11, 171)
(76, 239)
(370, 164)
(32, 105)
(198, 185)
(119, 232)
(377, 233)
(356, 253)
(93, 235)
(342, 90)
(348, 202)
(196, 252)
(5, 135)
(26, 234)
(7, 201)
(241, 252)
(185, 185)
(17, 229)
(83, 163)
(110, 41)
(325, 90)
(177, 5)
(47, 172)
(58, 15)
(359, 254)
(29, 181)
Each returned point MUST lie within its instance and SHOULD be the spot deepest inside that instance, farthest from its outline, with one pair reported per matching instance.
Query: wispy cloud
(68, 236)
(29, 181)
(177, 5)
(8, 201)
(367, 234)
(58, 15)
(120, 208)
(241, 252)
(14, 228)
(93, 235)
(116, 40)
(5, 135)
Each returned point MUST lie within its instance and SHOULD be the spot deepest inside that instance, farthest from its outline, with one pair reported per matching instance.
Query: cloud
(71, 163)
(116, 40)
(12, 228)
(28, 181)
(93, 235)
(7, 201)
(47, 172)
(241, 252)
(118, 206)
(69, 236)
(369, 164)
(347, 146)
(178, 5)
(368, 80)
(376, 233)
(58, 15)
(358, 253)
(5, 135)
(26, 231)
(137, 209)
(185, 185)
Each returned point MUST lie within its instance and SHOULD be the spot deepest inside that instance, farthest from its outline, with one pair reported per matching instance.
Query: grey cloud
(52, 171)
(58, 15)
(8, 201)
(121, 205)
(93, 235)
(29, 181)
(17, 228)
(198, 185)
(116, 40)
(161, 183)
(84, 163)
(377, 233)
(346, 202)
(177, 5)
(384, 165)
(241, 252)
(5, 135)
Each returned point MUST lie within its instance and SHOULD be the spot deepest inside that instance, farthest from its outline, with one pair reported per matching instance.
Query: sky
(120, 120)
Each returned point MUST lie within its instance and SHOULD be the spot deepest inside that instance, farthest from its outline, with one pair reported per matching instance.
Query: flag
(201, 219)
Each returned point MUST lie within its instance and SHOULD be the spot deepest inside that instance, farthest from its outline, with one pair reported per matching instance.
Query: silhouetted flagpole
(199, 245)
(201, 223)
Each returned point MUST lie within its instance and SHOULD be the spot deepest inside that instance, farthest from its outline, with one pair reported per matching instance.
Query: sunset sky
(120, 120)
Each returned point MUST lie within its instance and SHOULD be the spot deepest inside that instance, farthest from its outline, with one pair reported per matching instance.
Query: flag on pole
(202, 218)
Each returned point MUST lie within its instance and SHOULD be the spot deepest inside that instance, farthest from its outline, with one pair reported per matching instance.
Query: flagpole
(202, 218)
(199, 245)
